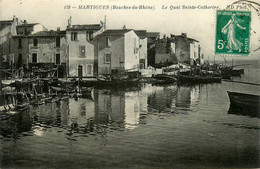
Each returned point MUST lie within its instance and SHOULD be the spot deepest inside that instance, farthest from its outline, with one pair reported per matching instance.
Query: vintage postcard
(116, 84)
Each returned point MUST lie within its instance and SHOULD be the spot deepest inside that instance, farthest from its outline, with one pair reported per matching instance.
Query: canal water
(145, 126)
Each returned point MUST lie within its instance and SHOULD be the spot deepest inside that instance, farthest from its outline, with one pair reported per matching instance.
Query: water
(147, 126)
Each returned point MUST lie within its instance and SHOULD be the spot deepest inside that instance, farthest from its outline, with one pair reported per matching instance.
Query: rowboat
(102, 81)
(199, 79)
(247, 104)
(163, 78)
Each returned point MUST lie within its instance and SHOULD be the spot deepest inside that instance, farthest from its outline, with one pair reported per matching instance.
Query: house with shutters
(20, 45)
(81, 48)
(44, 50)
(7, 31)
(116, 51)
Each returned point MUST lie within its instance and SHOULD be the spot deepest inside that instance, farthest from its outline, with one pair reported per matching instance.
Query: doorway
(80, 71)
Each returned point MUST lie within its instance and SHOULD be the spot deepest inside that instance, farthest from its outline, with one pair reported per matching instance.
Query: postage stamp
(232, 32)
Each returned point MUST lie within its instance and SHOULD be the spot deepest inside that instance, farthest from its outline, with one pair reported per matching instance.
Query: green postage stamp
(232, 32)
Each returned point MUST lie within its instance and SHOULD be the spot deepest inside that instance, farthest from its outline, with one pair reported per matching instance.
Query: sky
(197, 23)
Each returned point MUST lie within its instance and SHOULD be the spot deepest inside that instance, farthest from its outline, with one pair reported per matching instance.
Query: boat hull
(244, 104)
(199, 79)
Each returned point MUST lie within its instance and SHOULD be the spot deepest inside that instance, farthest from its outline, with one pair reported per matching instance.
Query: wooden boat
(245, 104)
(163, 78)
(199, 79)
(229, 71)
(102, 81)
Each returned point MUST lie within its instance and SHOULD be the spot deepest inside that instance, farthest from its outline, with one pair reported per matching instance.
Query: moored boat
(199, 79)
(242, 103)
(163, 78)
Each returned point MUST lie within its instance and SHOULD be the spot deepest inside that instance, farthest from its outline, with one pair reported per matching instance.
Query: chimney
(69, 23)
(25, 22)
(184, 35)
(58, 28)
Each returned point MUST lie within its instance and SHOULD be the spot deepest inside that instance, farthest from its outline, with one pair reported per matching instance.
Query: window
(107, 57)
(74, 36)
(57, 41)
(35, 42)
(19, 43)
(57, 59)
(89, 35)
(34, 58)
(108, 41)
(82, 51)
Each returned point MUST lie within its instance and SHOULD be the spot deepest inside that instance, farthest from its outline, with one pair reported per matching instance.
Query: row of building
(89, 50)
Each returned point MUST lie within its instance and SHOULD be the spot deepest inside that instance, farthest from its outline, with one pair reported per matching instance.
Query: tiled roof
(27, 25)
(110, 32)
(3, 24)
(152, 34)
(85, 27)
(49, 34)
(182, 37)
(44, 34)
(141, 33)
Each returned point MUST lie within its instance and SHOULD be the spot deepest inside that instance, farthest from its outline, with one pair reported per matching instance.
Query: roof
(85, 27)
(183, 37)
(112, 32)
(48, 34)
(27, 25)
(152, 34)
(44, 34)
(3, 24)
(141, 33)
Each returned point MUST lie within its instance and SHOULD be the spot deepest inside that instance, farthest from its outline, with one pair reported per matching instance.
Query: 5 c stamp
(232, 32)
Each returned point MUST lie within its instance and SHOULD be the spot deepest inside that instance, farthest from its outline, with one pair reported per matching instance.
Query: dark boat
(103, 81)
(163, 78)
(229, 71)
(199, 79)
(244, 104)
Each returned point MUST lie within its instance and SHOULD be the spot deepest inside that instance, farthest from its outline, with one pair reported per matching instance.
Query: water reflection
(113, 109)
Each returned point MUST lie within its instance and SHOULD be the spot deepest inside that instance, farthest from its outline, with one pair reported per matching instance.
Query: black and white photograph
(127, 84)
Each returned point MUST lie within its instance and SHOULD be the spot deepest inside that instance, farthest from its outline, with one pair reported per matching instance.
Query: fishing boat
(243, 103)
(103, 81)
(163, 78)
(199, 79)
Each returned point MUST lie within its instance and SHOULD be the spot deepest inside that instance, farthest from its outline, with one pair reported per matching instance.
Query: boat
(103, 81)
(163, 78)
(229, 71)
(199, 79)
(245, 104)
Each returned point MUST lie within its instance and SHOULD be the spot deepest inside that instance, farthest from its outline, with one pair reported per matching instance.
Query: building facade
(187, 50)
(81, 48)
(151, 39)
(22, 40)
(142, 48)
(164, 53)
(7, 30)
(116, 51)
